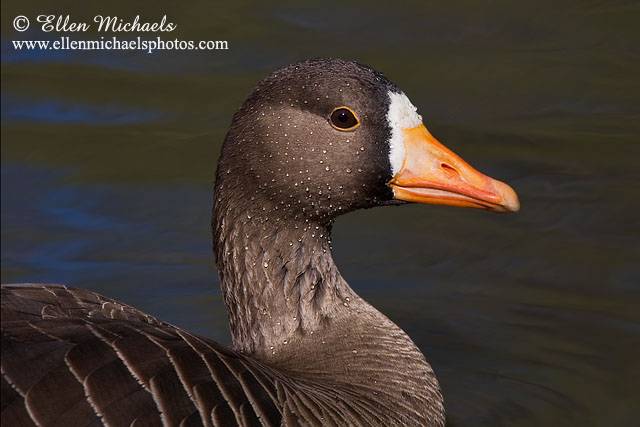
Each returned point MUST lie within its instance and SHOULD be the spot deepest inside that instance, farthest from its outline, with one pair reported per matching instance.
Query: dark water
(528, 319)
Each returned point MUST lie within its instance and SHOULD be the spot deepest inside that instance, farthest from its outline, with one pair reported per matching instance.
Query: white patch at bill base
(402, 114)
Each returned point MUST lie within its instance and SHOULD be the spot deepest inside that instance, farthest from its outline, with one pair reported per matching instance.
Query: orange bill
(431, 173)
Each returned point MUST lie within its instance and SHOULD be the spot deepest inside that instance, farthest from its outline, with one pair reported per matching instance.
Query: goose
(312, 141)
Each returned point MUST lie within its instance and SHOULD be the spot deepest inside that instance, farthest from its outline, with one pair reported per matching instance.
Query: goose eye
(343, 118)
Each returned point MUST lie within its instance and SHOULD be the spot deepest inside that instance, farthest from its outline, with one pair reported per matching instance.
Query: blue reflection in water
(57, 111)
(127, 242)
(96, 231)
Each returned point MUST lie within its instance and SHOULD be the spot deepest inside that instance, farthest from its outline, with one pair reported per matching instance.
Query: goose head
(324, 137)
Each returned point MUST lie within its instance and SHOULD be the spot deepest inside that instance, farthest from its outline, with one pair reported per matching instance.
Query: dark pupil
(343, 117)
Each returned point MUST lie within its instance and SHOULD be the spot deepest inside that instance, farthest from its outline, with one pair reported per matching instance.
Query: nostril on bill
(448, 169)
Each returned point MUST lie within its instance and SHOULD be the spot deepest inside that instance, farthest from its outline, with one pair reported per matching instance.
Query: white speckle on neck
(401, 115)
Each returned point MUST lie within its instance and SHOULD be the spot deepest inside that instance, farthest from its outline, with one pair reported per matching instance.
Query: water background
(528, 319)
